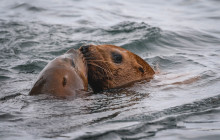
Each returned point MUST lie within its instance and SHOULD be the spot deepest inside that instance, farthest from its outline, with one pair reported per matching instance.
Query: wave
(28, 7)
(146, 126)
(30, 66)
(180, 55)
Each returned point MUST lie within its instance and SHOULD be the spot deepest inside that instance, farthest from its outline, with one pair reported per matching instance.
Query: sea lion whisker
(123, 67)
(102, 61)
(109, 70)
(98, 66)
(111, 74)
(89, 58)
(103, 70)
(106, 71)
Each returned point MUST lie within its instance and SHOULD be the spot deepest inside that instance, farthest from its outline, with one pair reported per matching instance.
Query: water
(179, 38)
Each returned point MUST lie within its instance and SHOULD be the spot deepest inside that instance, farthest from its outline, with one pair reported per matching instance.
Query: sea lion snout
(84, 49)
(111, 66)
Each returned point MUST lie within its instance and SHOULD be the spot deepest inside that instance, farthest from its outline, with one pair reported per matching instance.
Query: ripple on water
(4, 40)
(134, 36)
(127, 27)
(29, 7)
(3, 77)
(34, 66)
(29, 43)
(184, 45)
(147, 126)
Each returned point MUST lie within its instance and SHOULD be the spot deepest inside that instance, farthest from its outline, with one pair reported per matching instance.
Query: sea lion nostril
(84, 49)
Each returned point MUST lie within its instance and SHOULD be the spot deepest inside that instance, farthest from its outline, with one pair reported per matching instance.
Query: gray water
(180, 39)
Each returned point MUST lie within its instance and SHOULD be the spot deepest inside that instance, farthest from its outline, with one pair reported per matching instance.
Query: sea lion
(110, 66)
(64, 76)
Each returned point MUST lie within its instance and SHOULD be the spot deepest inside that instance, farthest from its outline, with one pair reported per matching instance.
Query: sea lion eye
(117, 58)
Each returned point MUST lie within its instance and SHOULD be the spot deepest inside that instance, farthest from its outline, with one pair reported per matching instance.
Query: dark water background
(179, 38)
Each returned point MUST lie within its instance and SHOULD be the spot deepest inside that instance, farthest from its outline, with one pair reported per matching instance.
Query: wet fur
(103, 73)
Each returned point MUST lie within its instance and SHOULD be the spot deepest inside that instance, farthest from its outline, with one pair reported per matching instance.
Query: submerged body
(64, 76)
(110, 66)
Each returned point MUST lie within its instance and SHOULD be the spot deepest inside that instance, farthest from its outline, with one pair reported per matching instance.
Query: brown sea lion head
(63, 76)
(110, 66)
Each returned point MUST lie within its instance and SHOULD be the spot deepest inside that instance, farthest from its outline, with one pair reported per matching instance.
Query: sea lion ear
(72, 51)
(141, 69)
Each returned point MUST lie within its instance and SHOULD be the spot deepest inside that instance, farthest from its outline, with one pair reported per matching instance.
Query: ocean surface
(180, 39)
